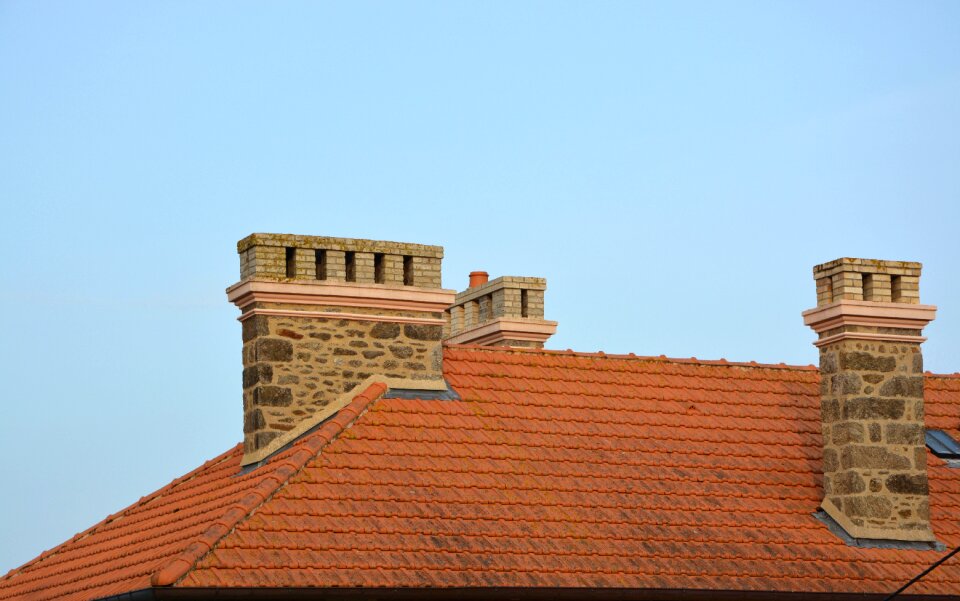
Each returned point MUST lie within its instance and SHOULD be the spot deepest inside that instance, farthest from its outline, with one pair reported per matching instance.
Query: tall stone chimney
(321, 315)
(869, 322)
(507, 311)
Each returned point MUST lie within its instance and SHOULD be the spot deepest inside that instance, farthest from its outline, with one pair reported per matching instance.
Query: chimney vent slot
(350, 258)
(291, 262)
(524, 311)
(408, 271)
(378, 274)
(868, 284)
(896, 288)
(321, 261)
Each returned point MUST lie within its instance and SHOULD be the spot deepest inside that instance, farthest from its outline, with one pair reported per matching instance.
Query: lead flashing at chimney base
(869, 324)
(507, 311)
(321, 315)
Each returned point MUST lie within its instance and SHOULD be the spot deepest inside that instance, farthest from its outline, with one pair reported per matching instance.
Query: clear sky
(673, 169)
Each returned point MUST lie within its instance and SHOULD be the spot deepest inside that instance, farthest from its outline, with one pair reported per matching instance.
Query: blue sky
(673, 169)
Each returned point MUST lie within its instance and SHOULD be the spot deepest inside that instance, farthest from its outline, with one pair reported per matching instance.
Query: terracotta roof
(554, 470)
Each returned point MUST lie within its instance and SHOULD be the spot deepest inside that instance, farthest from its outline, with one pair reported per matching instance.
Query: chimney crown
(871, 280)
(284, 257)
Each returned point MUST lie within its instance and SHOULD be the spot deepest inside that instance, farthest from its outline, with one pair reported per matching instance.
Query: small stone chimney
(869, 322)
(321, 315)
(507, 311)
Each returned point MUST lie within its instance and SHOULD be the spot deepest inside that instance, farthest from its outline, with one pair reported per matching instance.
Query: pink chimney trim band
(348, 294)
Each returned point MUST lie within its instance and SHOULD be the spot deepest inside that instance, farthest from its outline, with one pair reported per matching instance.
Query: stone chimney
(321, 315)
(869, 322)
(507, 311)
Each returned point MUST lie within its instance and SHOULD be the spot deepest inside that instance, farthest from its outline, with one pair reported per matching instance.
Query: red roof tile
(554, 470)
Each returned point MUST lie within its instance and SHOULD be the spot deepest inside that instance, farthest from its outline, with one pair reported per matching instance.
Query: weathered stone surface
(846, 432)
(871, 457)
(253, 421)
(917, 362)
(846, 483)
(846, 383)
(256, 374)
(873, 506)
(255, 326)
(828, 363)
(401, 352)
(873, 408)
(274, 349)
(272, 396)
(875, 432)
(910, 434)
(866, 362)
(831, 462)
(383, 331)
(830, 410)
(263, 438)
(318, 359)
(909, 386)
(915, 484)
(873, 378)
(422, 332)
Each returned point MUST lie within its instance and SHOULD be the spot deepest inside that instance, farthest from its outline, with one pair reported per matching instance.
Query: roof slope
(554, 470)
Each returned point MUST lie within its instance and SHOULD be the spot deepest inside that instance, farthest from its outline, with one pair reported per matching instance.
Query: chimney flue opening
(378, 270)
(478, 278)
(408, 270)
(291, 257)
(350, 258)
(320, 257)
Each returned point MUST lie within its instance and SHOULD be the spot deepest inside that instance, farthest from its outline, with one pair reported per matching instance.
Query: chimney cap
(478, 278)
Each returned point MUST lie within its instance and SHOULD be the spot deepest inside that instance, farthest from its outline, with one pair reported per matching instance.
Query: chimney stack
(321, 315)
(507, 311)
(869, 323)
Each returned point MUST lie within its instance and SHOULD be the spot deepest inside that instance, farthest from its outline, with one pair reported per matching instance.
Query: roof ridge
(178, 567)
(953, 376)
(121, 513)
(652, 358)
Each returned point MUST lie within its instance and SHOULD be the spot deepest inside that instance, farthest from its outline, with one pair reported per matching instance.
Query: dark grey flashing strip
(392, 393)
(411, 394)
(875, 543)
(495, 593)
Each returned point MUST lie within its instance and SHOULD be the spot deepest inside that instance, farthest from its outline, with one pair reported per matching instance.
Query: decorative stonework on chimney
(321, 315)
(507, 311)
(869, 322)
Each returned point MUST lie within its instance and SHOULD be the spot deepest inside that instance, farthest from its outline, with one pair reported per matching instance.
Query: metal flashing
(874, 543)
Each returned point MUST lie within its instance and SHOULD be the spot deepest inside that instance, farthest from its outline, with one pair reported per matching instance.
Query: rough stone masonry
(869, 323)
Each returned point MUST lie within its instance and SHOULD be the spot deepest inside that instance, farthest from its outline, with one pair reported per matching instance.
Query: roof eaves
(506, 593)
(178, 567)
